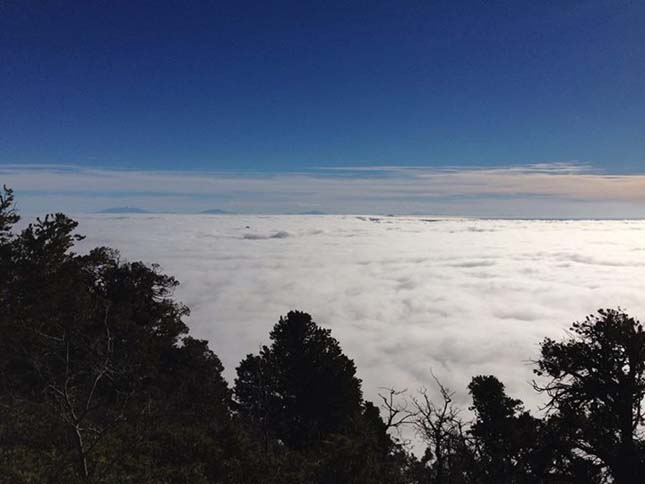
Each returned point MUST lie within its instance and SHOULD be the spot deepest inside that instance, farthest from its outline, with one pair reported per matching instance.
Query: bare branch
(396, 408)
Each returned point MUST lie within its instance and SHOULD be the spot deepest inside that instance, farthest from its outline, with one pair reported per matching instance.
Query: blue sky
(279, 88)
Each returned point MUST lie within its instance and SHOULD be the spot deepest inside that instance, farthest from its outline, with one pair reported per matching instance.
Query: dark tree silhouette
(437, 421)
(505, 436)
(448, 457)
(300, 388)
(8, 215)
(100, 383)
(302, 397)
(596, 385)
(97, 379)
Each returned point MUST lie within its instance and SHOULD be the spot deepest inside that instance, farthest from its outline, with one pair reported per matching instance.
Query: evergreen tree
(505, 436)
(302, 398)
(302, 387)
(596, 386)
(98, 381)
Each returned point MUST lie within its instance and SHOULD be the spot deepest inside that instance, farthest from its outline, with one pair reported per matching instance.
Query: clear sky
(284, 87)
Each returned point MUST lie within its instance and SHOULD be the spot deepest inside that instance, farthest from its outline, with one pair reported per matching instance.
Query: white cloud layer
(556, 190)
(402, 294)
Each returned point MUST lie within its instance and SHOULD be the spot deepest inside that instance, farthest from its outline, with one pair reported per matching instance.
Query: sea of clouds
(403, 295)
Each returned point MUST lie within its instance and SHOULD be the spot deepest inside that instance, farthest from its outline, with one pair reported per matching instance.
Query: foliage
(506, 436)
(301, 395)
(301, 388)
(98, 381)
(597, 385)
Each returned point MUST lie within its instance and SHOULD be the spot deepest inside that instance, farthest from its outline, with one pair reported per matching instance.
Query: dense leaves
(302, 388)
(597, 385)
(301, 394)
(97, 376)
(506, 435)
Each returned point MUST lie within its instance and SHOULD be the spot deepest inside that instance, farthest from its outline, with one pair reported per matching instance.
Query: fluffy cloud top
(539, 190)
(402, 294)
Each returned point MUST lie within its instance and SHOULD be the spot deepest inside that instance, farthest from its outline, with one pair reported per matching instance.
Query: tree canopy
(596, 384)
(302, 387)
(97, 372)
(301, 392)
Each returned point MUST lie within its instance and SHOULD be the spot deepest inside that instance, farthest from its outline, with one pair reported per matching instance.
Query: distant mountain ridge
(313, 212)
(214, 211)
(123, 210)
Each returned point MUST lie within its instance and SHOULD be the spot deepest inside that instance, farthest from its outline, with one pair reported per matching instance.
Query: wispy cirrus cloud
(533, 190)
